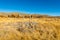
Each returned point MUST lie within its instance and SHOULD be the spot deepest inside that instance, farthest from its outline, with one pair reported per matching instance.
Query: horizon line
(25, 12)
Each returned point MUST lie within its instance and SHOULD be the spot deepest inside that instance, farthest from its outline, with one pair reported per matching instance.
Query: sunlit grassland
(29, 28)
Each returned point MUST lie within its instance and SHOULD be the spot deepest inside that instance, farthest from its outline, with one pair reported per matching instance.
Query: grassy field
(43, 28)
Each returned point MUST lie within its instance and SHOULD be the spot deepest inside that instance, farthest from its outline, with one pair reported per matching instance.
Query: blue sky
(50, 7)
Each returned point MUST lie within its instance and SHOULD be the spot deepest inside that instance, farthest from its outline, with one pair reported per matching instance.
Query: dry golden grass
(26, 28)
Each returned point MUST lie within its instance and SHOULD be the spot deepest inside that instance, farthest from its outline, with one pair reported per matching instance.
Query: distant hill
(21, 15)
